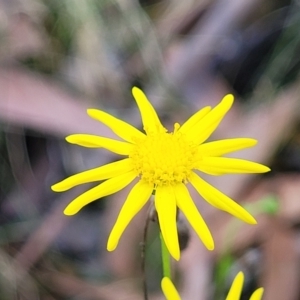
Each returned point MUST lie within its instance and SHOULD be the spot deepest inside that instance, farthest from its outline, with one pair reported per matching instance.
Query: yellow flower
(169, 289)
(236, 289)
(165, 163)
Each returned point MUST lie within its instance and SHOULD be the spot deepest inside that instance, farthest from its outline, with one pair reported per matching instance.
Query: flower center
(164, 158)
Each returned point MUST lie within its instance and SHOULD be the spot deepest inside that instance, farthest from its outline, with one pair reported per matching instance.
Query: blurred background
(60, 57)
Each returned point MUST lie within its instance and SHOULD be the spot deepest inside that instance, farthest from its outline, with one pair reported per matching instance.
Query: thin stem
(143, 257)
(165, 255)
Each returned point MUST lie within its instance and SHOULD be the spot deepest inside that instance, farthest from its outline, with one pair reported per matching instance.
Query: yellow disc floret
(164, 158)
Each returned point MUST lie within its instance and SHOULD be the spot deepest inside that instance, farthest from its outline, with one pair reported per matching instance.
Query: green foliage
(269, 205)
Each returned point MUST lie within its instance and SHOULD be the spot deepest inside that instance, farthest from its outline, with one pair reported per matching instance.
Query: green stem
(143, 255)
(165, 255)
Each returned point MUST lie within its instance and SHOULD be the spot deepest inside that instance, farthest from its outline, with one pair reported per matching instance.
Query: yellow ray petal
(108, 187)
(136, 199)
(230, 165)
(194, 119)
(165, 205)
(119, 127)
(257, 294)
(94, 141)
(214, 173)
(113, 169)
(151, 122)
(218, 148)
(207, 125)
(219, 200)
(169, 289)
(189, 209)
(236, 287)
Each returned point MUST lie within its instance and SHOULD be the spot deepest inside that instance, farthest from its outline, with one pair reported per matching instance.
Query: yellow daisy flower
(236, 289)
(164, 162)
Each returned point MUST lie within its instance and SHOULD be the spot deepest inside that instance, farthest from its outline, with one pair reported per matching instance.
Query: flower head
(164, 162)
